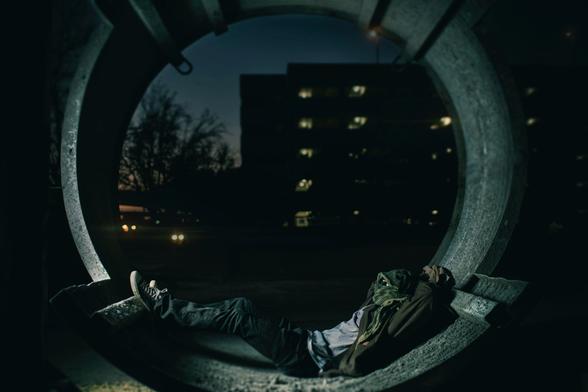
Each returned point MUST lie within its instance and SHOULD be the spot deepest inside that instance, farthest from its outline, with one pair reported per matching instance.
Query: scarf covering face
(391, 289)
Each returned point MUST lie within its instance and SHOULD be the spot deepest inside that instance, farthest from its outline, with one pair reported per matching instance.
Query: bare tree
(164, 143)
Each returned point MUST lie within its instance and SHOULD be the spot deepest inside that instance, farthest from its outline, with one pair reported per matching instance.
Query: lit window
(434, 212)
(305, 92)
(434, 156)
(357, 91)
(306, 152)
(130, 208)
(530, 91)
(449, 150)
(303, 185)
(531, 121)
(445, 121)
(355, 212)
(357, 122)
(301, 218)
(305, 123)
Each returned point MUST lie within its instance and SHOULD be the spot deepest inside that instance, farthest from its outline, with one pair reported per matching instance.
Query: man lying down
(401, 311)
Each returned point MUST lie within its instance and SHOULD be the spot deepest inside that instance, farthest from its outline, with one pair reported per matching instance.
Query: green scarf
(391, 289)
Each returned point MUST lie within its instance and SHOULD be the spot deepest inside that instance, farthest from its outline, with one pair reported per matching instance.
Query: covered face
(441, 276)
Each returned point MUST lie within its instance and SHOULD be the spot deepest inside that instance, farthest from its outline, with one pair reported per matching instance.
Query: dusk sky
(264, 46)
(525, 33)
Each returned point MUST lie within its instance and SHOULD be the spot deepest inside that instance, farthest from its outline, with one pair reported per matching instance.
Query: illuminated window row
(355, 123)
(448, 151)
(303, 218)
(409, 221)
(355, 91)
(308, 153)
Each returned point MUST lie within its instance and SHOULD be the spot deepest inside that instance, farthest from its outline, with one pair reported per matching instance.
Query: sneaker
(147, 292)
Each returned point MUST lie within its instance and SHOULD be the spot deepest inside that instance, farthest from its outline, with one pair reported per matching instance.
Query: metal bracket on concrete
(371, 13)
(215, 15)
(152, 21)
(425, 33)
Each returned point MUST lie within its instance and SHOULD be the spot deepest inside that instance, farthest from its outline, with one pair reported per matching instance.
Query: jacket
(416, 320)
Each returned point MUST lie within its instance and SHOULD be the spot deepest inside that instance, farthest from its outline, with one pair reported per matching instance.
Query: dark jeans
(278, 340)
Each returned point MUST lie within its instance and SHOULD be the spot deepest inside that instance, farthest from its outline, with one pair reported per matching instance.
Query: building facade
(347, 145)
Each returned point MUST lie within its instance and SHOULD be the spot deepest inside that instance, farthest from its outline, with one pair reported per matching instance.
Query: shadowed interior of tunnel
(292, 178)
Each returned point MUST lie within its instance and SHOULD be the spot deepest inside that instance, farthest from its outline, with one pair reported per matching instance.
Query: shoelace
(152, 292)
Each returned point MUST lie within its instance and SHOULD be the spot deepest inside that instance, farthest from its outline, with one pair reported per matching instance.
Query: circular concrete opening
(123, 58)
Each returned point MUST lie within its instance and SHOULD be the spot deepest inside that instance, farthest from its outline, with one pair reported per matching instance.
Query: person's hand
(437, 275)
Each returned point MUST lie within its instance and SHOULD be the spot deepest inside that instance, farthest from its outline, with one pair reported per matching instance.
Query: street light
(374, 35)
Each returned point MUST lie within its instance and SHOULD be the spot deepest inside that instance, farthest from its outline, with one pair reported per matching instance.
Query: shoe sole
(134, 278)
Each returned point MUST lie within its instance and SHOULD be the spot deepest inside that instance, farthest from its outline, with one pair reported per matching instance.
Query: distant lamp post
(374, 36)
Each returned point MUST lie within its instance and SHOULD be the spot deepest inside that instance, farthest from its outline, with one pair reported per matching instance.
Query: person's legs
(278, 340)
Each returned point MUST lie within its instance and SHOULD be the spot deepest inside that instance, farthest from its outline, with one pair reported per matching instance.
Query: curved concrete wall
(122, 60)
